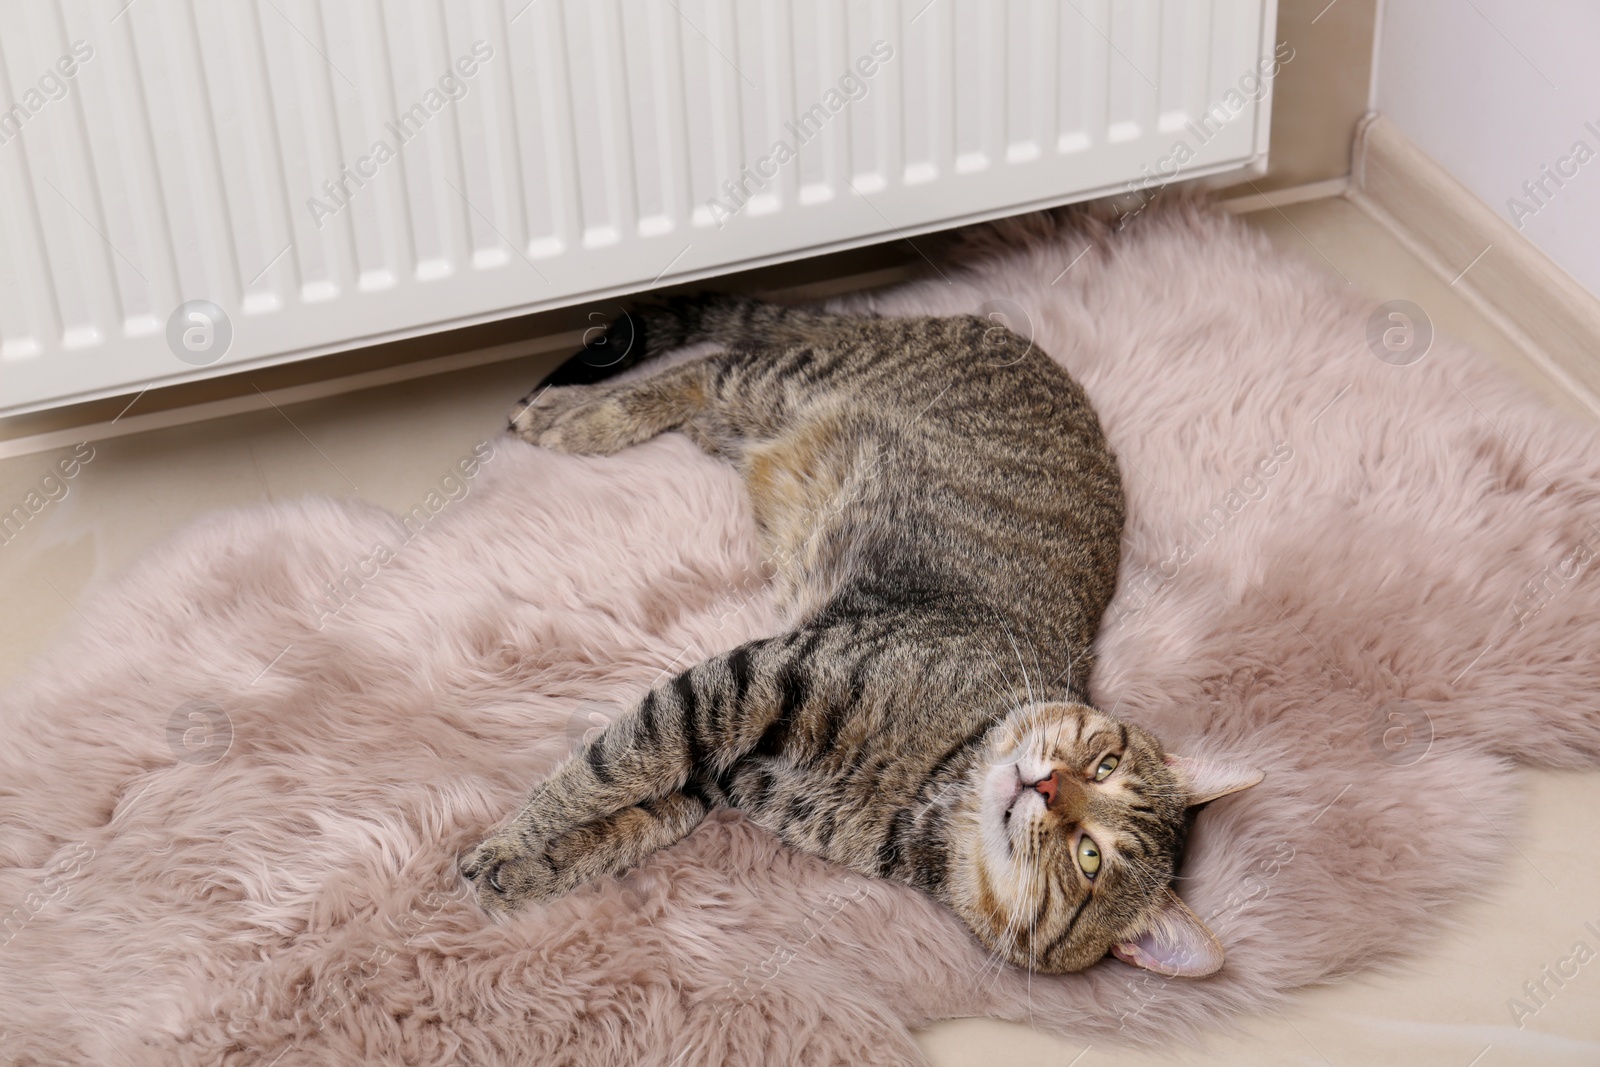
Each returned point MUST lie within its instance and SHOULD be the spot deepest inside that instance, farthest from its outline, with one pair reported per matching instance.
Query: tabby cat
(943, 517)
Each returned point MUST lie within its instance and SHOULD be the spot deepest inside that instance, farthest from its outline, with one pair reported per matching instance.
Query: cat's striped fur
(943, 516)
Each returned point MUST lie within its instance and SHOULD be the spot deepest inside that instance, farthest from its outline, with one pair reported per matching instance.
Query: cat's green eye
(1107, 765)
(1088, 856)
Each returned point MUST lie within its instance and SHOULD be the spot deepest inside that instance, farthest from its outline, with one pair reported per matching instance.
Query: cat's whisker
(1038, 668)
(1008, 941)
(1026, 681)
(1033, 941)
(1000, 954)
(1003, 697)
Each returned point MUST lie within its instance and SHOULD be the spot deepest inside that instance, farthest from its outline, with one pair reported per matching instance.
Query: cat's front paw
(507, 871)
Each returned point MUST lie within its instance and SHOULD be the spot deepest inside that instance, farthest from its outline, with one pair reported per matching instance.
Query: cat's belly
(808, 487)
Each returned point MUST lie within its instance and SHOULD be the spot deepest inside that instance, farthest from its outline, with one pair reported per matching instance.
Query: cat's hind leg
(608, 417)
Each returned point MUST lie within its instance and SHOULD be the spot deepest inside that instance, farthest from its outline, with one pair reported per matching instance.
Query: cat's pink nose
(1048, 787)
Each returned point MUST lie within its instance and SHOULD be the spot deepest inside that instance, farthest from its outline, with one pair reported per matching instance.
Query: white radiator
(198, 187)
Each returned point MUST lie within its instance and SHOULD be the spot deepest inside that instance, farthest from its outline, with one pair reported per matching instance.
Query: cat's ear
(1176, 943)
(1209, 779)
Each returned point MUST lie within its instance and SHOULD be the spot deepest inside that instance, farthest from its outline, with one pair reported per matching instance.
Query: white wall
(1497, 91)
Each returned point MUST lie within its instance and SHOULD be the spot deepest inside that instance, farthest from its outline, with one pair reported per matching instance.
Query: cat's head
(1066, 845)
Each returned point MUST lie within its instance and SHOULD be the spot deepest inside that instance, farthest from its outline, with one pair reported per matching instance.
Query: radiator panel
(331, 174)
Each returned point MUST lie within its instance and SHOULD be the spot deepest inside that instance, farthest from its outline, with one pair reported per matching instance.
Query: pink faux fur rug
(234, 796)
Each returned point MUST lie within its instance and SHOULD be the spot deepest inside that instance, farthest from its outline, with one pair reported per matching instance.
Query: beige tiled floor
(390, 445)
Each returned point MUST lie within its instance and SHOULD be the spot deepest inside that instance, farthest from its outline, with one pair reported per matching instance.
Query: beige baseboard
(1294, 194)
(1536, 304)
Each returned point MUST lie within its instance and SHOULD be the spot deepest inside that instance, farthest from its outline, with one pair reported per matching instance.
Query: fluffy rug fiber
(235, 792)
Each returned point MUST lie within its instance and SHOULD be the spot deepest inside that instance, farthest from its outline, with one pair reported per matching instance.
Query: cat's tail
(648, 329)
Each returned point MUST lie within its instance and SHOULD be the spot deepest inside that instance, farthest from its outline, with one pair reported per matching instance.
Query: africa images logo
(852, 87)
(453, 86)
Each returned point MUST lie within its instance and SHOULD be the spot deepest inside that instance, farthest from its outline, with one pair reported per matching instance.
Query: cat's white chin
(998, 789)
(1006, 806)
(1007, 787)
